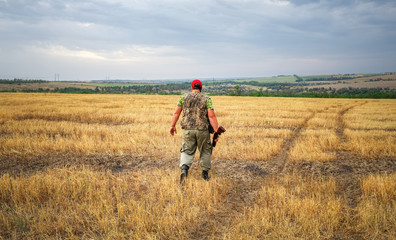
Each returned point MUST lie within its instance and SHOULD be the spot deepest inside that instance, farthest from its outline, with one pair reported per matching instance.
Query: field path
(348, 182)
(247, 178)
(281, 158)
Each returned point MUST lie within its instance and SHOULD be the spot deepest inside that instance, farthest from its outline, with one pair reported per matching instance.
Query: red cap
(196, 81)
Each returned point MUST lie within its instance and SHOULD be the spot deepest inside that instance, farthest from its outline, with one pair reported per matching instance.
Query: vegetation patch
(313, 86)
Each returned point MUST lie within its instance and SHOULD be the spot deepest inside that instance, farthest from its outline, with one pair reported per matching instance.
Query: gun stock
(217, 134)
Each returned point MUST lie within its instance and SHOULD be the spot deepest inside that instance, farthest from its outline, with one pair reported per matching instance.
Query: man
(198, 121)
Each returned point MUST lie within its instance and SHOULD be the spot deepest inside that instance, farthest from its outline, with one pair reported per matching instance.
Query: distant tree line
(172, 88)
(324, 78)
(380, 79)
(330, 93)
(230, 88)
(19, 81)
(137, 89)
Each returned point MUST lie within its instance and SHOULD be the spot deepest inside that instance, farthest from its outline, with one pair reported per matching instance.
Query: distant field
(324, 86)
(114, 84)
(293, 78)
(280, 79)
(346, 76)
(363, 81)
(47, 85)
(105, 167)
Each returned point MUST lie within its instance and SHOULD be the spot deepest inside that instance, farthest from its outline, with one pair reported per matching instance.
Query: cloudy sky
(170, 39)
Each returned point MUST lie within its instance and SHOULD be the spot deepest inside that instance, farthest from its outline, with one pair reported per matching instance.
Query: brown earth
(380, 81)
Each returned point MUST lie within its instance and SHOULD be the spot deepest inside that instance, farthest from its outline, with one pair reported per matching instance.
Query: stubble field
(105, 166)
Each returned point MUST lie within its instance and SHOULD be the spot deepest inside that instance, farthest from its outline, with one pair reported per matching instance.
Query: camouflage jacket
(195, 112)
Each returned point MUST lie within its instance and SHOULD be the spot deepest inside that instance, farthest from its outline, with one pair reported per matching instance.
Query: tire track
(341, 124)
(247, 177)
(281, 158)
(348, 182)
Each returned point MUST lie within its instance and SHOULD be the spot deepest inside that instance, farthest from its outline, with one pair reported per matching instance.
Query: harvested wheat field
(105, 167)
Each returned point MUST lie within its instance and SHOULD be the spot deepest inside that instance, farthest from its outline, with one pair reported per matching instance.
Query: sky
(188, 39)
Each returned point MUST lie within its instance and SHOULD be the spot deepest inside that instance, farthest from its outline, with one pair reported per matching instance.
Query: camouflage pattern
(209, 103)
(195, 112)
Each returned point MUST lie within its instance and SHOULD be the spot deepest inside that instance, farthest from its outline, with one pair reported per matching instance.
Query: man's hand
(175, 117)
(173, 131)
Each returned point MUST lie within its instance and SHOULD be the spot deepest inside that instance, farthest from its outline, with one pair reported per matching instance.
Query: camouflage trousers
(193, 140)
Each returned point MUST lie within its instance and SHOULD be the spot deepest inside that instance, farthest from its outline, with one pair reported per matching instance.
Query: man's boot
(184, 173)
(205, 175)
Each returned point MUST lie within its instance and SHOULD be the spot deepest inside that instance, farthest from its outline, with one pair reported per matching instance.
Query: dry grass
(81, 124)
(375, 114)
(324, 120)
(376, 212)
(293, 207)
(297, 207)
(70, 203)
(315, 145)
(371, 143)
(257, 128)
(32, 137)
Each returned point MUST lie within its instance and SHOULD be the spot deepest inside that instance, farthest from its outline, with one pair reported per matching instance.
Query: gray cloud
(185, 38)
